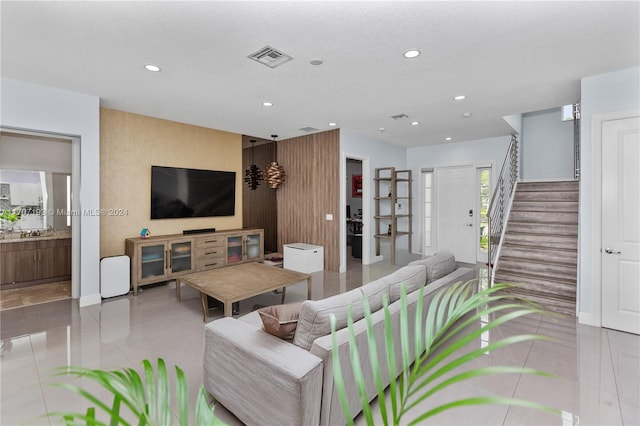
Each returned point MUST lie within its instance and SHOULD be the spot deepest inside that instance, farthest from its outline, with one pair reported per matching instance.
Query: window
(484, 191)
(427, 179)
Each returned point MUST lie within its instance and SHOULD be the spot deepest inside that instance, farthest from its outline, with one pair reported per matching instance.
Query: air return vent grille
(270, 57)
(399, 116)
(309, 129)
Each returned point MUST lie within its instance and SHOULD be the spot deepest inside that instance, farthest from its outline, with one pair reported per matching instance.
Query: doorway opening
(354, 211)
(36, 194)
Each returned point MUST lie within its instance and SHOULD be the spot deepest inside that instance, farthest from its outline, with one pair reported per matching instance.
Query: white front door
(456, 215)
(621, 224)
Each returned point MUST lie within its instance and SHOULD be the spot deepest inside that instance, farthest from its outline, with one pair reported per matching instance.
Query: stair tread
(552, 273)
(525, 277)
(528, 262)
(568, 236)
(559, 185)
(519, 289)
(540, 248)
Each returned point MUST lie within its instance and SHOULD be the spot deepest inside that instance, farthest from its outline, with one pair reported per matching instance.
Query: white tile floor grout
(598, 369)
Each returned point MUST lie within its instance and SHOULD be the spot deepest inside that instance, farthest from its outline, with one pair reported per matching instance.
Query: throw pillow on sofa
(315, 315)
(440, 264)
(280, 320)
(412, 276)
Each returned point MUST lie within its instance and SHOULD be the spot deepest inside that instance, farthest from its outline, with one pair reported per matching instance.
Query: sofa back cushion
(413, 276)
(315, 316)
(438, 265)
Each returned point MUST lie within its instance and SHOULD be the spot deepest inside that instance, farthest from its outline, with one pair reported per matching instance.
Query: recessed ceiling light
(412, 53)
(459, 97)
(267, 104)
(415, 123)
(382, 129)
(466, 114)
(316, 62)
(332, 124)
(447, 138)
(152, 68)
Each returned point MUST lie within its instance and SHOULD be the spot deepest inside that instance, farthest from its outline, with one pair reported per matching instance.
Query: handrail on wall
(500, 202)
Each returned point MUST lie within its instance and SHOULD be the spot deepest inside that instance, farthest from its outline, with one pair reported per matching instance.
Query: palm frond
(440, 337)
(148, 401)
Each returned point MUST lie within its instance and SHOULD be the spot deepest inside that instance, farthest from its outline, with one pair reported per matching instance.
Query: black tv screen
(179, 193)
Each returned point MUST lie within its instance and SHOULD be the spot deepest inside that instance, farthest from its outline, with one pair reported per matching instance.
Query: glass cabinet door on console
(254, 246)
(181, 258)
(152, 262)
(235, 249)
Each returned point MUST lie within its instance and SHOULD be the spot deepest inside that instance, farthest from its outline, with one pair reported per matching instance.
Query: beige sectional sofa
(265, 380)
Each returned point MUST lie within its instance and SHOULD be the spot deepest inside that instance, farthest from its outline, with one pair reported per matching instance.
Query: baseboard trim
(94, 299)
(588, 319)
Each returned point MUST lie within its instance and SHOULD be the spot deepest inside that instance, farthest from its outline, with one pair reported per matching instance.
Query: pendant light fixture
(274, 172)
(253, 175)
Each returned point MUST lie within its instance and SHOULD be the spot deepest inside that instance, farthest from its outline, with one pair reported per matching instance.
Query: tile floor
(598, 369)
(33, 295)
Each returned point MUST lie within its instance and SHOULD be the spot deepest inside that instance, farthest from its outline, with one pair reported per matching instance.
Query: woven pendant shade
(274, 173)
(253, 175)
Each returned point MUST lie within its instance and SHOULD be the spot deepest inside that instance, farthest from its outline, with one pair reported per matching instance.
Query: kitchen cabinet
(35, 260)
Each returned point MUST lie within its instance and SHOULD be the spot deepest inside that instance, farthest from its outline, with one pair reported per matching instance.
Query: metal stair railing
(500, 204)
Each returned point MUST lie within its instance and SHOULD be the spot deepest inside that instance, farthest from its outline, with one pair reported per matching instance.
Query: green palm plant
(438, 351)
(149, 405)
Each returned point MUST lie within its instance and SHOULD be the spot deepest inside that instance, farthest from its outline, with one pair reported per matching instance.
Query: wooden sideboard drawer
(209, 242)
(209, 263)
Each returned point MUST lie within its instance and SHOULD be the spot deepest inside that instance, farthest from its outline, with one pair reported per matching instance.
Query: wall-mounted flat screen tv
(179, 192)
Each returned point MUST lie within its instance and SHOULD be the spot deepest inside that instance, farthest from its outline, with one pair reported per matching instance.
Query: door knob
(611, 251)
(470, 224)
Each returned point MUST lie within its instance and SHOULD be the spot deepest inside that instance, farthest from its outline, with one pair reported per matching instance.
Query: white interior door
(621, 224)
(456, 201)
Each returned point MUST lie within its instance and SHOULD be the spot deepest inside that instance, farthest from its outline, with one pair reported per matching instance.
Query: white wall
(44, 109)
(478, 152)
(546, 146)
(378, 154)
(600, 94)
(29, 153)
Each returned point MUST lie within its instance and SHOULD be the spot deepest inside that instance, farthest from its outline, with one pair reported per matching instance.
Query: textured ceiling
(506, 57)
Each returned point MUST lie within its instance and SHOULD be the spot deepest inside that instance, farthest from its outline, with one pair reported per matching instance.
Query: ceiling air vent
(309, 129)
(399, 116)
(270, 57)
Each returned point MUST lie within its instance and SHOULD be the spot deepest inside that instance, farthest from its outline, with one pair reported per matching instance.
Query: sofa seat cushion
(413, 276)
(315, 315)
(438, 265)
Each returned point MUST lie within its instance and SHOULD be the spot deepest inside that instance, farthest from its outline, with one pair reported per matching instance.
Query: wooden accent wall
(259, 207)
(311, 190)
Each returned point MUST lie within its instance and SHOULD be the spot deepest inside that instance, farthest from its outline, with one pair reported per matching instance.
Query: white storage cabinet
(303, 257)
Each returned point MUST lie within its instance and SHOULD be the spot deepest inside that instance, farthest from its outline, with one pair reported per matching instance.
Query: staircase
(540, 244)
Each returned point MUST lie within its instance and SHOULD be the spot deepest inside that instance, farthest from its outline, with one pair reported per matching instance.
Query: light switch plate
(329, 216)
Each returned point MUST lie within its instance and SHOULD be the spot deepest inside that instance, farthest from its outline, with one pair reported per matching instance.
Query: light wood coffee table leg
(228, 309)
(205, 306)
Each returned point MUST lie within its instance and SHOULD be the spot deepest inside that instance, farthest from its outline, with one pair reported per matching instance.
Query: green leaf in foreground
(443, 332)
(148, 402)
